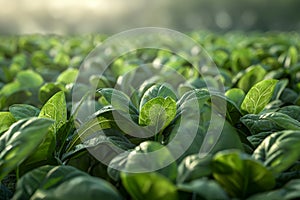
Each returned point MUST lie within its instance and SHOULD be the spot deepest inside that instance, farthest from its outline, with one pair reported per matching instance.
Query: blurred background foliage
(112, 16)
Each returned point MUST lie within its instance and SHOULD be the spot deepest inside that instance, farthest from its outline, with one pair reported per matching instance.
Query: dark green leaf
(279, 150)
(256, 124)
(194, 167)
(63, 182)
(55, 109)
(204, 189)
(292, 111)
(240, 175)
(289, 191)
(20, 141)
(21, 111)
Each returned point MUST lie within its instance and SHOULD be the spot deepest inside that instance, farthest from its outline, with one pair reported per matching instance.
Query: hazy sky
(59, 16)
(113, 16)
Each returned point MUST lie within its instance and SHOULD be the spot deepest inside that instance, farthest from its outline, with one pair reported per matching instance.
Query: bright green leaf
(55, 109)
(158, 113)
(149, 186)
(259, 96)
(253, 75)
(157, 91)
(6, 120)
(68, 76)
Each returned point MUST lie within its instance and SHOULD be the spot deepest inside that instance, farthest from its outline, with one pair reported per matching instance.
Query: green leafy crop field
(50, 150)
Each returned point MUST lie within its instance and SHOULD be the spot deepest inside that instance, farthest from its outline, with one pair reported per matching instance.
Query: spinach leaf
(48, 90)
(158, 113)
(118, 100)
(279, 150)
(63, 182)
(204, 189)
(256, 124)
(6, 120)
(293, 111)
(288, 191)
(55, 109)
(258, 96)
(142, 161)
(240, 175)
(236, 95)
(21, 111)
(194, 167)
(144, 158)
(157, 91)
(20, 141)
(68, 76)
(149, 186)
(282, 120)
(269, 121)
(253, 75)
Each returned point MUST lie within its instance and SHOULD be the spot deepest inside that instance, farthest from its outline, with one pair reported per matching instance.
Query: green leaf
(107, 143)
(157, 91)
(118, 100)
(68, 76)
(289, 96)
(259, 96)
(282, 120)
(291, 190)
(149, 186)
(222, 136)
(240, 175)
(158, 113)
(236, 95)
(256, 124)
(279, 150)
(20, 141)
(21, 111)
(188, 99)
(116, 165)
(257, 139)
(142, 159)
(194, 167)
(100, 121)
(48, 90)
(253, 75)
(279, 88)
(63, 182)
(55, 109)
(5, 193)
(29, 79)
(204, 189)
(270, 121)
(293, 111)
(10, 88)
(6, 120)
